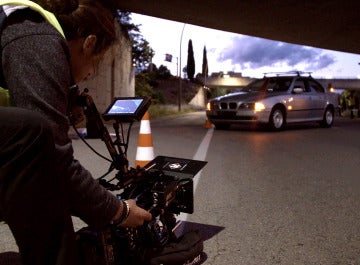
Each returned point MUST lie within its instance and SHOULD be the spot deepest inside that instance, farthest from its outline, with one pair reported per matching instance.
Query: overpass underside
(330, 24)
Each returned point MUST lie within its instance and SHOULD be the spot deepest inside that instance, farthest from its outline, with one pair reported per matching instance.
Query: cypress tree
(190, 62)
(205, 67)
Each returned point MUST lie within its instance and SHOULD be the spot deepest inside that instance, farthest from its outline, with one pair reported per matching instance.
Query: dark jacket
(35, 63)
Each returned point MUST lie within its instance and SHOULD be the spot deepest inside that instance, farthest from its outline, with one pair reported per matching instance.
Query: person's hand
(137, 215)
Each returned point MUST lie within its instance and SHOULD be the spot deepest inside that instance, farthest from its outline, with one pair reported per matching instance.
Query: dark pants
(32, 195)
(352, 107)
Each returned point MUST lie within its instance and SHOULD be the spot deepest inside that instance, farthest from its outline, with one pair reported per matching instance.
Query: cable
(128, 137)
(88, 145)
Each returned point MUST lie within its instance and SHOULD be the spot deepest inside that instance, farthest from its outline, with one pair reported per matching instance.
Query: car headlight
(208, 106)
(259, 106)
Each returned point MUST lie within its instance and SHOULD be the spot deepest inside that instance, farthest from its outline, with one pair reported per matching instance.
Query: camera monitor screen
(127, 109)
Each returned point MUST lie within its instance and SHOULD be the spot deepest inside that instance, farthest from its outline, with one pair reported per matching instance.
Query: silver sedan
(275, 101)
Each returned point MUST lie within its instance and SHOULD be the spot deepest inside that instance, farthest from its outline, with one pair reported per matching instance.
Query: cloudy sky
(240, 53)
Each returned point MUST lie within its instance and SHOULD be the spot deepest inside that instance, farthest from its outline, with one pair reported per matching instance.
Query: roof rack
(290, 73)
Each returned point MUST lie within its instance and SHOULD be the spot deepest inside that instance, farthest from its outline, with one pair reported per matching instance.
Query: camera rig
(164, 187)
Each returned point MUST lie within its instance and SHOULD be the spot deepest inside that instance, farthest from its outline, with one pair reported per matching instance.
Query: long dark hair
(80, 18)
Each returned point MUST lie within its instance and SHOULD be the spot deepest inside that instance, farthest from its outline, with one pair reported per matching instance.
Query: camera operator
(41, 184)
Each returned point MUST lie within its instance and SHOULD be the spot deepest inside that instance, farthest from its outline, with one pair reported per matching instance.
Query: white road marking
(199, 155)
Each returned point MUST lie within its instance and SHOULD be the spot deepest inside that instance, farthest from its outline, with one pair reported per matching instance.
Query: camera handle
(120, 162)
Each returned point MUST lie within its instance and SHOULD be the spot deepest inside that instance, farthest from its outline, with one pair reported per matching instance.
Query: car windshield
(273, 84)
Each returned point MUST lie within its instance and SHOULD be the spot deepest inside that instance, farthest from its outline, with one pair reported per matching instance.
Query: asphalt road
(283, 198)
(290, 197)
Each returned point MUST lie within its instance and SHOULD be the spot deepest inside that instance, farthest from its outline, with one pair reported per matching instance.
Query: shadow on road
(206, 231)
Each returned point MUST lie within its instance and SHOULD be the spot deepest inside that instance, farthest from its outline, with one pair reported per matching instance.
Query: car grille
(228, 105)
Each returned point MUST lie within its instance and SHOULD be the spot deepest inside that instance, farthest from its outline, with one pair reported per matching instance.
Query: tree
(143, 88)
(141, 53)
(190, 68)
(205, 67)
(163, 72)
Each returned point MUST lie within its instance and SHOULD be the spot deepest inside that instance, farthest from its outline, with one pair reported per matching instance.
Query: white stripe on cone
(145, 127)
(145, 153)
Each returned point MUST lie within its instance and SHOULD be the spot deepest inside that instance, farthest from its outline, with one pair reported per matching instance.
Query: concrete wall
(199, 100)
(115, 76)
(225, 82)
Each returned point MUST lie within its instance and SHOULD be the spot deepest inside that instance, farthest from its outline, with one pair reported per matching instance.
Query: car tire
(328, 118)
(222, 126)
(277, 119)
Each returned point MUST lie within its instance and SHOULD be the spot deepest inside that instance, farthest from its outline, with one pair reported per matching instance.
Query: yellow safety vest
(50, 17)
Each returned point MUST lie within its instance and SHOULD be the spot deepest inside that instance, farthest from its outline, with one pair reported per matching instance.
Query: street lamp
(180, 83)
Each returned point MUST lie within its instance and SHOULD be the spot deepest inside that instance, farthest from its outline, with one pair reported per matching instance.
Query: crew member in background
(350, 98)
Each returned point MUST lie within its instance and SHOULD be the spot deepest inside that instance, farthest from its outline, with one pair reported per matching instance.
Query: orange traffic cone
(208, 124)
(145, 149)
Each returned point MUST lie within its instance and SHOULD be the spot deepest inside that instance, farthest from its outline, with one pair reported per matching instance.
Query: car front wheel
(328, 118)
(277, 119)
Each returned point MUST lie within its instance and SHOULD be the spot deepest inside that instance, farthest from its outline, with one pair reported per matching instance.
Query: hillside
(169, 89)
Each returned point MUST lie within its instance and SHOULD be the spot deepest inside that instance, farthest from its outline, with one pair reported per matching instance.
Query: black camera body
(155, 191)
(164, 192)
(164, 196)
